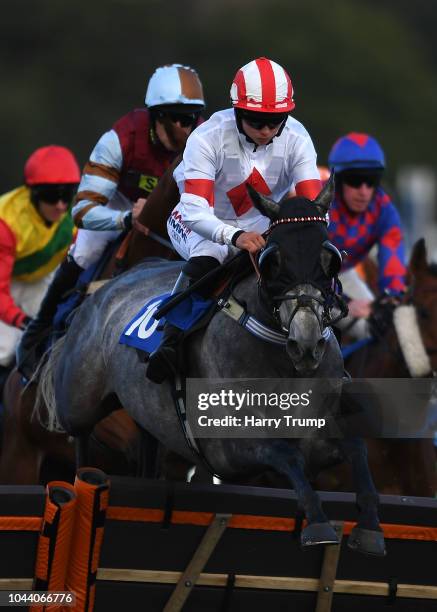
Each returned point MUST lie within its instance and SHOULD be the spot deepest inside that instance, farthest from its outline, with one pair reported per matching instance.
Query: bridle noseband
(305, 300)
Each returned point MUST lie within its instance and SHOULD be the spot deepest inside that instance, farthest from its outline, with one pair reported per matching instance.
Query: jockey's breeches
(189, 244)
(355, 288)
(28, 296)
(90, 244)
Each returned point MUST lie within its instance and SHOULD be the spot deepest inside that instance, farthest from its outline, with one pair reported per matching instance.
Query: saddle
(191, 315)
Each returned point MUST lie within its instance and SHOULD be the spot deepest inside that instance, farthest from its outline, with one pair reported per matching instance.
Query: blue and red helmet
(356, 151)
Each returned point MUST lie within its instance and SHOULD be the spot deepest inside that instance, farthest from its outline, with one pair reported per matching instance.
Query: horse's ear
(331, 259)
(325, 197)
(269, 262)
(267, 207)
(418, 260)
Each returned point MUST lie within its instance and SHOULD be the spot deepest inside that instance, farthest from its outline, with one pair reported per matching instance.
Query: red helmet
(51, 165)
(262, 86)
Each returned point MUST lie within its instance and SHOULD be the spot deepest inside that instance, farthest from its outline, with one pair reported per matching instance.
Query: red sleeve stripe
(203, 188)
(309, 189)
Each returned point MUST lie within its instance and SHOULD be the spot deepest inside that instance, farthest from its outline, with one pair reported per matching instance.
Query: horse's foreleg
(288, 460)
(367, 535)
(21, 453)
(20, 460)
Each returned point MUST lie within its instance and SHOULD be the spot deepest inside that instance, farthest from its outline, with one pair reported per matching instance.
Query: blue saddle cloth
(348, 350)
(144, 332)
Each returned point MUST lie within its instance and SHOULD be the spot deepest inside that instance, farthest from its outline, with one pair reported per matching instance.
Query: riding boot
(31, 346)
(163, 362)
(4, 373)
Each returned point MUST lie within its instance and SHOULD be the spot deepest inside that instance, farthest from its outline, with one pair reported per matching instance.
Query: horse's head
(297, 269)
(422, 294)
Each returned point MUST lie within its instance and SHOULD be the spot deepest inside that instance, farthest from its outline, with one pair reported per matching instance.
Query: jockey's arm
(200, 165)
(303, 171)
(391, 252)
(309, 189)
(98, 185)
(199, 168)
(10, 313)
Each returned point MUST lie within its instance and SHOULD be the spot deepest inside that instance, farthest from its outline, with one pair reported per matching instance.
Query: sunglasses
(259, 121)
(51, 194)
(184, 119)
(356, 180)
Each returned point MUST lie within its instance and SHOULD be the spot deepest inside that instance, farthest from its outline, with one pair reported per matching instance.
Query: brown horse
(29, 453)
(400, 466)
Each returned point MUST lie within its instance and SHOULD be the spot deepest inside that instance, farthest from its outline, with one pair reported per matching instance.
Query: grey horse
(89, 369)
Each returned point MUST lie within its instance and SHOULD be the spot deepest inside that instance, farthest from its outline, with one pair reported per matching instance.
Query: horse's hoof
(367, 541)
(318, 533)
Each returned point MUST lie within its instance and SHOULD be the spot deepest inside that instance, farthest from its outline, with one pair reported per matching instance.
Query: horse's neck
(247, 292)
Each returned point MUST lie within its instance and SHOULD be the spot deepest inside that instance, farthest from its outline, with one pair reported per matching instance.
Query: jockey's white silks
(410, 341)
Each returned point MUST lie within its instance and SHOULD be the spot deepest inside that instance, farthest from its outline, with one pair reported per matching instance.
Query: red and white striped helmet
(262, 86)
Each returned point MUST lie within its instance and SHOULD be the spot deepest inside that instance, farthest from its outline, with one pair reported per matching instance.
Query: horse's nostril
(293, 349)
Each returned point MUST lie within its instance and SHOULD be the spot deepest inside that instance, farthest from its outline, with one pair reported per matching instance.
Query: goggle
(260, 120)
(184, 119)
(51, 194)
(356, 180)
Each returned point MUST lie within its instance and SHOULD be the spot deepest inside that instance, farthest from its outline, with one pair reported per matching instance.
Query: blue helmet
(355, 151)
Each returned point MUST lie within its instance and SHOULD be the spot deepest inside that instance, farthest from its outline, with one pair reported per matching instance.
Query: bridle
(329, 298)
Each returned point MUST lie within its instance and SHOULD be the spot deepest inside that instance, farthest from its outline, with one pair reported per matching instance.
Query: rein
(255, 266)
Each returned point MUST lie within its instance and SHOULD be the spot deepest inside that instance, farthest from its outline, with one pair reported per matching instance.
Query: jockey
(36, 230)
(361, 216)
(255, 142)
(124, 167)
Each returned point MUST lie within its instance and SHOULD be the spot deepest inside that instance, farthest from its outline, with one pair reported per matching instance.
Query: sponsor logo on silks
(148, 183)
(178, 226)
(144, 332)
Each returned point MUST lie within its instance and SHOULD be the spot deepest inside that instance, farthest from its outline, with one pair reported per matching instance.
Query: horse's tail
(45, 403)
